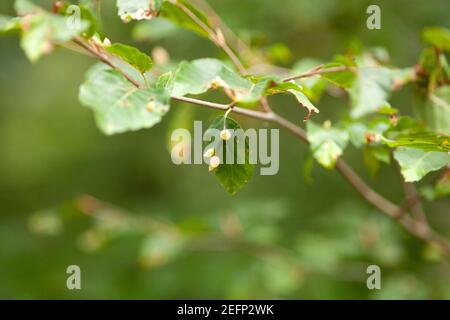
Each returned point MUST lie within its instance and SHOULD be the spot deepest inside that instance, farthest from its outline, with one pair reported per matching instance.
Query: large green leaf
(199, 76)
(133, 56)
(416, 163)
(118, 105)
(231, 176)
(327, 143)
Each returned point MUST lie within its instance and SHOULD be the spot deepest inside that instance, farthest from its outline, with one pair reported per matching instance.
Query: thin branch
(242, 48)
(102, 56)
(224, 107)
(214, 37)
(413, 198)
(319, 70)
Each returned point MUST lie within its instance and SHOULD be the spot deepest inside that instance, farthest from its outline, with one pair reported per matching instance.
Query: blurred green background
(280, 237)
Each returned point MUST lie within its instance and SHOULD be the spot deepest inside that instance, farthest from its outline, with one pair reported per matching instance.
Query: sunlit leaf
(232, 176)
(370, 90)
(327, 143)
(118, 105)
(416, 163)
(133, 56)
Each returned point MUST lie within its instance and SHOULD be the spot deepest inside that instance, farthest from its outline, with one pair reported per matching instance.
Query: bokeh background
(141, 227)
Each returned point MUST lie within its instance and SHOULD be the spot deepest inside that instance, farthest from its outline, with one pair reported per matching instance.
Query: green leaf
(313, 87)
(343, 79)
(304, 102)
(327, 144)
(199, 76)
(426, 141)
(416, 163)
(370, 90)
(232, 176)
(118, 105)
(165, 81)
(437, 37)
(363, 132)
(133, 56)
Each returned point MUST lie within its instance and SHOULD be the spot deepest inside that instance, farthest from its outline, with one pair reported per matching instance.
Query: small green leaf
(416, 163)
(118, 105)
(165, 81)
(133, 56)
(304, 102)
(327, 144)
(313, 87)
(343, 79)
(437, 37)
(370, 90)
(232, 176)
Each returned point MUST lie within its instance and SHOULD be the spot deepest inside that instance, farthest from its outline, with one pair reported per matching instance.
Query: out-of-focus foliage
(180, 235)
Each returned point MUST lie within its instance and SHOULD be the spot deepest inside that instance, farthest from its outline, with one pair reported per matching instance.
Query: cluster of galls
(214, 160)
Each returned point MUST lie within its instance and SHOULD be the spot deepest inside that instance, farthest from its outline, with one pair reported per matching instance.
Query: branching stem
(417, 227)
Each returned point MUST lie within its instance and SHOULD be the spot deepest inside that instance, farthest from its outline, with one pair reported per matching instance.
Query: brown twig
(319, 70)
(215, 36)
